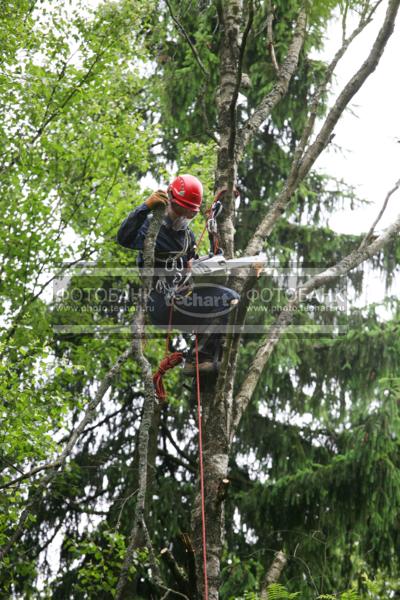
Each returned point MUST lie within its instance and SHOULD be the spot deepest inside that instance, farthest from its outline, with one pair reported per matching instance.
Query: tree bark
(222, 411)
(215, 460)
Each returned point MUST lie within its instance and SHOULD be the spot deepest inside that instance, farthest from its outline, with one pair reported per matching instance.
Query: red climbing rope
(203, 508)
(208, 214)
(169, 362)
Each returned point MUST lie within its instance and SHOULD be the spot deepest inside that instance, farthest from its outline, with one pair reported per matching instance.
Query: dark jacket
(169, 242)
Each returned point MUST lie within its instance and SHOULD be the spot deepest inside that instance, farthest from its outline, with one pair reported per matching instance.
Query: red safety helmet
(186, 191)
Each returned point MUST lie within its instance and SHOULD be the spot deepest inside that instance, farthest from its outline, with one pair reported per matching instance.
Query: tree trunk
(215, 461)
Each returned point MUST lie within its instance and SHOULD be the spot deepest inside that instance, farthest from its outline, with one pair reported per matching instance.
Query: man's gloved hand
(158, 198)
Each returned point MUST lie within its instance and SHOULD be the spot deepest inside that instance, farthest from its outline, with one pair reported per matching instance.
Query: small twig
(171, 591)
(156, 575)
(368, 236)
(270, 37)
(182, 31)
(176, 570)
(124, 501)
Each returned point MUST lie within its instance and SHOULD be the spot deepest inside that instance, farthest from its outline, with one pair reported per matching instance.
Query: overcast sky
(370, 141)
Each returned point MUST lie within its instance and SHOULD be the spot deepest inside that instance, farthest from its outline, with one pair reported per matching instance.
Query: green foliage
(90, 103)
(277, 591)
(100, 563)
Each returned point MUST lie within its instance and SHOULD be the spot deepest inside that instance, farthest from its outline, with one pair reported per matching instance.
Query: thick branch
(265, 349)
(230, 66)
(139, 528)
(274, 573)
(302, 164)
(351, 89)
(280, 88)
(235, 95)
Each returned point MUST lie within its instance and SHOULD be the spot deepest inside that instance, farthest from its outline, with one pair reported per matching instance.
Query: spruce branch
(185, 35)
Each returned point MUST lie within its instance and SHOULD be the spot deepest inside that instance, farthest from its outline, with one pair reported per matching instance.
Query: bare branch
(350, 89)
(182, 31)
(270, 37)
(233, 105)
(280, 88)
(177, 571)
(148, 409)
(139, 524)
(344, 22)
(302, 165)
(368, 236)
(355, 258)
(274, 573)
(227, 64)
(365, 19)
(231, 53)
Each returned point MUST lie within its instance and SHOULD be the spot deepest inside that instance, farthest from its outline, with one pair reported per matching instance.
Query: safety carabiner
(179, 263)
(212, 225)
(170, 264)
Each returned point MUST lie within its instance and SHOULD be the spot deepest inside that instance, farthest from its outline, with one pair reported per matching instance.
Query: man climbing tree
(174, 301)
(299, 458)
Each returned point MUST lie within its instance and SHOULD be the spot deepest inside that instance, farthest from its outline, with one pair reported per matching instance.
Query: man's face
(176, 211)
